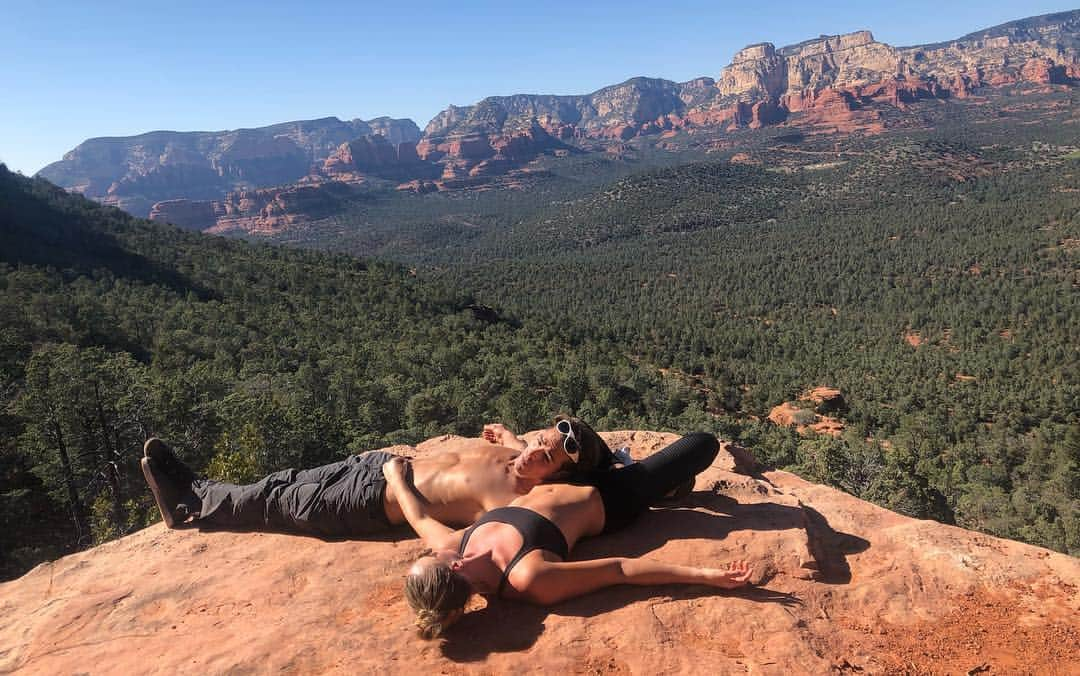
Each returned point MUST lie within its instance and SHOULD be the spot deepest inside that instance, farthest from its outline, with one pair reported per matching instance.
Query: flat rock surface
(843, 587)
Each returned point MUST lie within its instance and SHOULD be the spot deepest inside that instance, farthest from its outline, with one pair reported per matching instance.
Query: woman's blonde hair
(436, 593)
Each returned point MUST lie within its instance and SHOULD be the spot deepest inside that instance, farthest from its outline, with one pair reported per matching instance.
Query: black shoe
(165, 460)
(175, 500)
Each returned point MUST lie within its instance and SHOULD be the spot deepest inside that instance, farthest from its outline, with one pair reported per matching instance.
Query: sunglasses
(570, 442)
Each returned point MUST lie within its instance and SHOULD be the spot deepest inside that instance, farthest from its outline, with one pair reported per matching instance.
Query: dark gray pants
(342, 499)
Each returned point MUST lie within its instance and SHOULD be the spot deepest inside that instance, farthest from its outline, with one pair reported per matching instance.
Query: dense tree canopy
(931, 276)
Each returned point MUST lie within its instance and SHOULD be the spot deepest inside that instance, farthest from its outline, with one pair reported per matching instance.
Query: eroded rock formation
(258, 211)
(377, 156)
(814, 412)
(188, 214)
(1039, 49)
(478, 154)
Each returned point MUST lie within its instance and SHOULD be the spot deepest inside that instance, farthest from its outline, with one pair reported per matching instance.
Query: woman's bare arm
(552, 582)
(433, 532)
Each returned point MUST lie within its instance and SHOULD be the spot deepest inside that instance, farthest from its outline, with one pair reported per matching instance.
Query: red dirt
(968, 636)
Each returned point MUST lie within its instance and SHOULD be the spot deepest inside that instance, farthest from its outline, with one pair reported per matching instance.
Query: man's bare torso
(462, 482)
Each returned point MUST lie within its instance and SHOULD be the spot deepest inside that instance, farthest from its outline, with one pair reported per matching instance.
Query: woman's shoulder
(526, 579)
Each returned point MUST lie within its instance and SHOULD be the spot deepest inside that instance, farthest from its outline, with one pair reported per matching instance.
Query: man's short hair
(594, 453)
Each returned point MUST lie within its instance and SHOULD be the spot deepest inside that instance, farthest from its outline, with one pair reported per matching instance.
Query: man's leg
(278, 501)
(337, 500)
(351, 504)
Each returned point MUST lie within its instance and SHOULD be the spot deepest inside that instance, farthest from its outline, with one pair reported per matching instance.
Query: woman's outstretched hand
(736, 575)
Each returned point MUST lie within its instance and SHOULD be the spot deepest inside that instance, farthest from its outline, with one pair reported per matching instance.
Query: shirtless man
(351, 498)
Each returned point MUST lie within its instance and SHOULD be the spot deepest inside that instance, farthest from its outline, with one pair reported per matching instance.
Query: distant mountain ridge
(638, 99)
(133, 172)
(1057, 26)
(763, 72)
(829, 84)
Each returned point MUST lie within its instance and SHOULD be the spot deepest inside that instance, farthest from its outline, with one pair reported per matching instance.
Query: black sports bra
(537, 532)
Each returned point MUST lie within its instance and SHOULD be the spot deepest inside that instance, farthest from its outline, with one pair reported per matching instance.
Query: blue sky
(74, 70)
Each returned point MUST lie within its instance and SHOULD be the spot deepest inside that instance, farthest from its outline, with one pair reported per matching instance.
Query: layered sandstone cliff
(375, 155)
(841, 586)
(256, 211)
(1038, 50)
(476, 153)
(762, 72)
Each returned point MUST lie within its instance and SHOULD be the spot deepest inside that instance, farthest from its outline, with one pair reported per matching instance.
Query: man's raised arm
(497, 433)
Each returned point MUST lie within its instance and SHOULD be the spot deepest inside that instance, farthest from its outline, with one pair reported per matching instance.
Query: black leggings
(628, 491)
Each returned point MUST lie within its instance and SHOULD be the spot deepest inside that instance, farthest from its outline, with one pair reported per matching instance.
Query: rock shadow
(724, 516)
(510, 626)
(501, 627)
(831, 547)
(608, 600)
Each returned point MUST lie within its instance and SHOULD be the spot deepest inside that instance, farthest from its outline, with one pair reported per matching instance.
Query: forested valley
(247, 358)
(931, 276)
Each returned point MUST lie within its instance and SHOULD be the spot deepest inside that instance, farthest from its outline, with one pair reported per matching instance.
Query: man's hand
(737, 575)
(396, 469)
(414, 506)
(497, 433)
